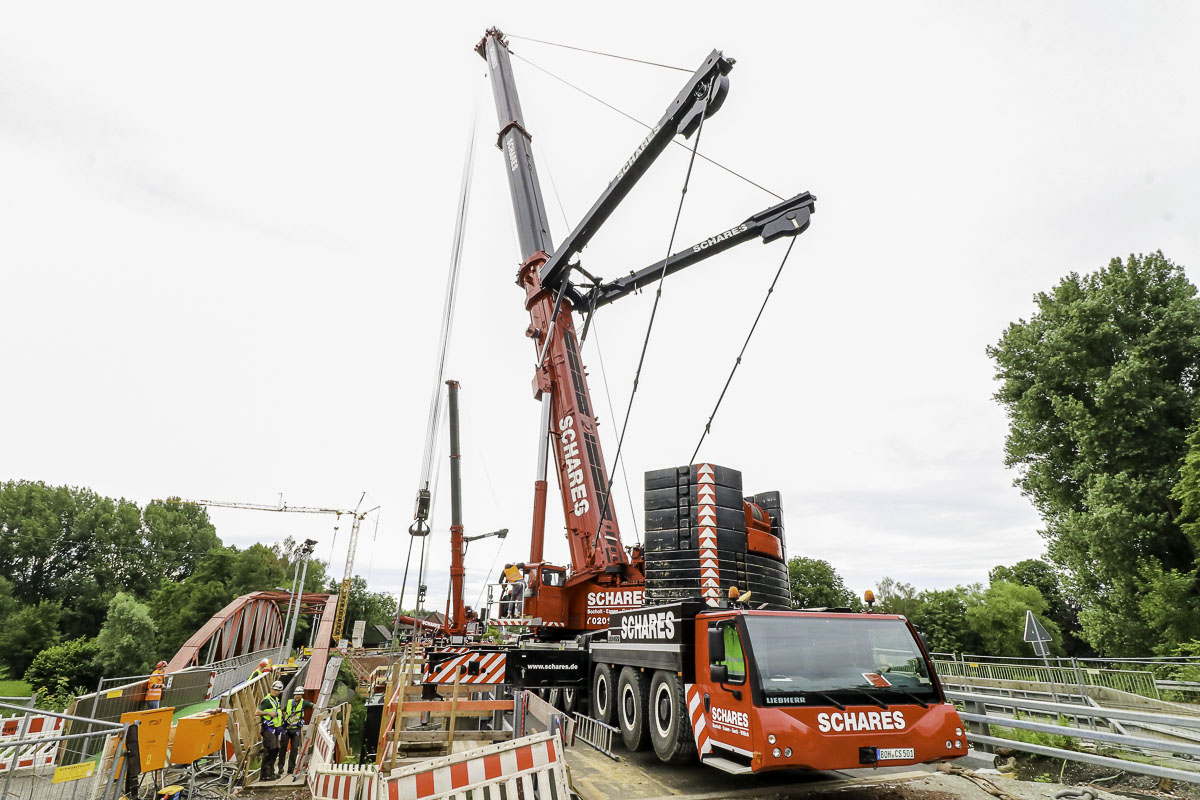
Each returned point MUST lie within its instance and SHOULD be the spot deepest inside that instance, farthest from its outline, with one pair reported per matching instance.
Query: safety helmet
(277, 686)
(299, 690)
(266, 662)
(160, 665)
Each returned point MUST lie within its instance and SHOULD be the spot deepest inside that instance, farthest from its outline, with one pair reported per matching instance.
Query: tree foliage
(1061, 608)
(224, 574)
(999, 619)
(816, 584)
(26, 632)
(128, 641)
(73, 546)
(1100, 387)
(941, 615)
(70, 664)
(894, 597)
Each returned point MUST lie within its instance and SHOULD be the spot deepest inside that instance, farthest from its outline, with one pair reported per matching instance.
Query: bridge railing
(1071, 673)
(1167, 747)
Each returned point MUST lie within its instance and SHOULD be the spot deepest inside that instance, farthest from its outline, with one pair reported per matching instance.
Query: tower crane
(357, 515)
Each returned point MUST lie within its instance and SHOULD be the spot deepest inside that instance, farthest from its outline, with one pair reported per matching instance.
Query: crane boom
(603, 579)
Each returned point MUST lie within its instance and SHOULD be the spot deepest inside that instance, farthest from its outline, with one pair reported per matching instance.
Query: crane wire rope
(687, 178)
(478, 451)
(428, 480)
(597, 52)
(603, 375)
(738, 361)
(637, 534)
(629, 116)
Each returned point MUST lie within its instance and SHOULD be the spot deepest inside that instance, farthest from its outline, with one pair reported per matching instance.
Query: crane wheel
(604, 694)
(670, 724)
(554, 698)
(570, 700)
(631, 709)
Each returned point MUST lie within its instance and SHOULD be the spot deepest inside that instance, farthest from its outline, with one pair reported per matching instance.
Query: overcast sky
(225, 229)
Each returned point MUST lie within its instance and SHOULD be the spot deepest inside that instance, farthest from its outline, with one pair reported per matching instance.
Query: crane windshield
(831, 660)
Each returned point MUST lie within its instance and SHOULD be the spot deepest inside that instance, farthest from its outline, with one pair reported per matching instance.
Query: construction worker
(263, 668)
(154, 685)
(271, 712)
(293, 723)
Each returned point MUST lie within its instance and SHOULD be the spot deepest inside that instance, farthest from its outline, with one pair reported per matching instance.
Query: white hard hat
(277, 685)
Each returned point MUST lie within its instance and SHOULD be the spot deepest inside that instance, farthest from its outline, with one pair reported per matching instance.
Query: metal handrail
(978, 720)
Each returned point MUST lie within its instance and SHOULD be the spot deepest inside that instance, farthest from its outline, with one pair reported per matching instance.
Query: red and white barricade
(343, 782)
(518, 765)
(22, 734)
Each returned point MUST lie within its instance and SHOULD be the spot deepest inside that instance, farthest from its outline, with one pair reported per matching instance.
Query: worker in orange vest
(154, 686)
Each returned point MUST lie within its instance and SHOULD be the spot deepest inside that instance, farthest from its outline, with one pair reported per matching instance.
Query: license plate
(895, 753)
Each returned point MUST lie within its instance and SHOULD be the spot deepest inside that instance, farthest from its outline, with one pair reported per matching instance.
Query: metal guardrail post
(978, 728)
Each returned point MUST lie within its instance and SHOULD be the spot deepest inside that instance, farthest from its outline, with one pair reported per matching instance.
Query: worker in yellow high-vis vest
(293, 727)
(271, 712)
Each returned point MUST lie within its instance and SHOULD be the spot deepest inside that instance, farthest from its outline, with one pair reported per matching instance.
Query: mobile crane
(744, 688)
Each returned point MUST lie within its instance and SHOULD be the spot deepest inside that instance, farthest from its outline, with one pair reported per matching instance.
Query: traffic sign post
(1037, 635)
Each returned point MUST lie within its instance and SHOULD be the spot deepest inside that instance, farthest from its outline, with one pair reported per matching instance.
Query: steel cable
(738, 361)
(687, 178)
(596, 52)
(629, 116)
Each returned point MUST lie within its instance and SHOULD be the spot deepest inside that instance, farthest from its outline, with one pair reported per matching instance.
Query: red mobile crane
(745, 688)
(603, 577)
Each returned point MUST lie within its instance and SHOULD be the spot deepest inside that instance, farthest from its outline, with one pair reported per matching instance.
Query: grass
(15, 689)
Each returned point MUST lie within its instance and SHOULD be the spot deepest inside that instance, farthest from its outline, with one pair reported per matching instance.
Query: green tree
(178, 536)
(1061, 609)
(1100, 387)
(76, 547)
(128, 641)
(26, 632)
(893, 597)
(71, 664)
(221, 576)
(998, 619)
(941, 615)
(816, 584)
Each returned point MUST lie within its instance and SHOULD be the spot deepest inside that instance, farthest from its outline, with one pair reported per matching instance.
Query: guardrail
(1141, 682)
(596, 733)
(977, 712)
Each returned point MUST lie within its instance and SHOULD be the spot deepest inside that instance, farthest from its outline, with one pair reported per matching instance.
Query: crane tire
(570, 700)
(632, 710)
(669, 721)
(604, 694)
(554, 698)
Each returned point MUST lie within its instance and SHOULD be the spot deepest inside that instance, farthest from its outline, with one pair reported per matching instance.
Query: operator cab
(820, 690)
